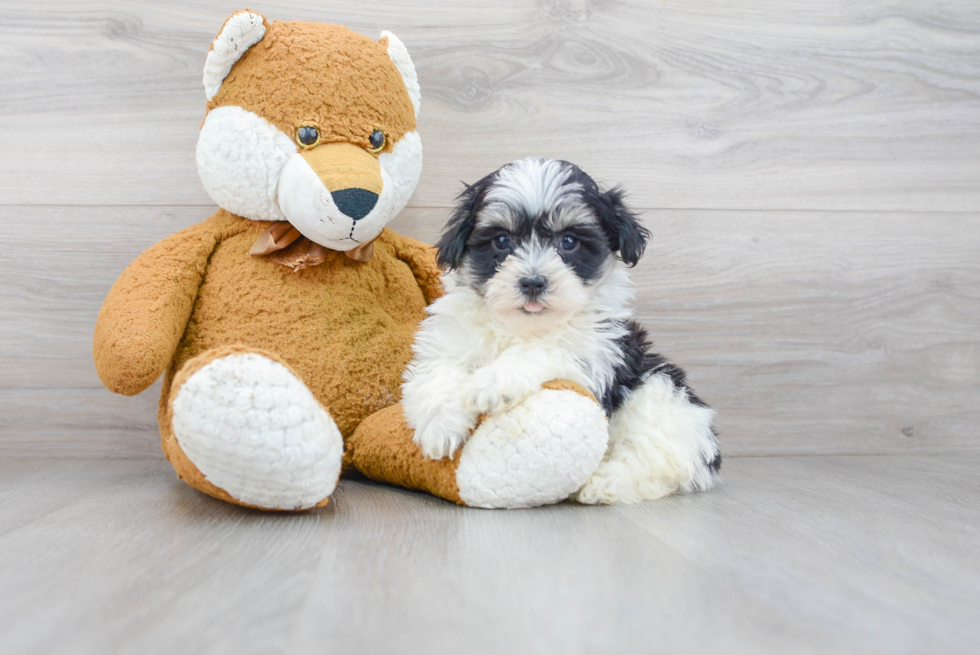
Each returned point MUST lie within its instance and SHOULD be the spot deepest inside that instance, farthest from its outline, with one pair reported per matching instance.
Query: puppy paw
(616, 482)
(442, 435)
(493, 390)
(599, 489)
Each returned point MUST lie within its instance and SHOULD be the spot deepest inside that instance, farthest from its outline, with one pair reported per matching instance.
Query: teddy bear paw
(537, 453)
(255, 431)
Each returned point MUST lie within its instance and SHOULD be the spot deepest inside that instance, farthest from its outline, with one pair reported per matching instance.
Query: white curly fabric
(240, 157)
(240, 32)
(402, 168)
(255, 430)
(538, 453)
(403, 62)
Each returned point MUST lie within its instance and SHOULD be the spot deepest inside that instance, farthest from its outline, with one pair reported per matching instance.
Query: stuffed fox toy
(283, 323)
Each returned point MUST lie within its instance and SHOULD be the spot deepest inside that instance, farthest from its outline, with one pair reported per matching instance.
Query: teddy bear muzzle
(334, 194)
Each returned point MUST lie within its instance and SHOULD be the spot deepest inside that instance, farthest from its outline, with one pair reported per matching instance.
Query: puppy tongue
(533, 307)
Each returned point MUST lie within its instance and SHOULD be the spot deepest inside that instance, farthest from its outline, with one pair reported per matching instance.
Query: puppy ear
(452, 243)
(622, 226)
(241, 31)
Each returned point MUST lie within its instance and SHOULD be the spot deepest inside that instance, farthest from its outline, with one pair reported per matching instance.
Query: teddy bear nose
(356, 203)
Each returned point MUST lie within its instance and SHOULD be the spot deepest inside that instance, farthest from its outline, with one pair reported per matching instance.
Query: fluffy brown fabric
(344, 166)
(568, 385)
(328, 90)
(345, 327)
(382, 449)
(143, 318)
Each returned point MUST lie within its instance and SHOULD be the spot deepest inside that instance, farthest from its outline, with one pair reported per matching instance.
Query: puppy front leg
(433, 402)
(514, 375)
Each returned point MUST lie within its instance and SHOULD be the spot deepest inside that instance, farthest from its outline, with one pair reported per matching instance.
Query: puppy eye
(307, 136)
(501, 242)
(569, 243)
(377, 141)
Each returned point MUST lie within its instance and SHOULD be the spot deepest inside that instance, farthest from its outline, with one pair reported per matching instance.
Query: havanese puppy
(537, 291)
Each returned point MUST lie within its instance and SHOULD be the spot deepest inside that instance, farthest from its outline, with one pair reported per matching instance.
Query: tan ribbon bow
(284, 244)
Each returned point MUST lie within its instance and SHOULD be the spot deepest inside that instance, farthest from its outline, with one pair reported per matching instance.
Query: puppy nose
(356, 203)
(533, 286)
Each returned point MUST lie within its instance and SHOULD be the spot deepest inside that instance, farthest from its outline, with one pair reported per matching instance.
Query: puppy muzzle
(533, 287)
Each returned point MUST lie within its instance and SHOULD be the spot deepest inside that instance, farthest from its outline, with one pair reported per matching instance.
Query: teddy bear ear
(399, 55)
(241, 31)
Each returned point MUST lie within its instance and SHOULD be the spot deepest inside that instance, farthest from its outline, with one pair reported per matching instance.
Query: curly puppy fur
(537, 291)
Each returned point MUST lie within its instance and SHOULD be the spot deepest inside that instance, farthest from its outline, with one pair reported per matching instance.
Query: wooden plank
(131, 540)
(810, 332)
(854, 536)
(33, 489)
(803, 555)
(706, 104)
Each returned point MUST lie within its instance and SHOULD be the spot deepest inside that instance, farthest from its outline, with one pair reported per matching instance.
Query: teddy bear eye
(377, 141)
(307, 136)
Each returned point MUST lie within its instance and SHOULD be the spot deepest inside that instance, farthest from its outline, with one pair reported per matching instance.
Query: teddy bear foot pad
(255, 432)
(537, 453)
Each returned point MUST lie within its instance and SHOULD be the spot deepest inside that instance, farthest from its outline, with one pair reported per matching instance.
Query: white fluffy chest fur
(585, 348)
(466, 363)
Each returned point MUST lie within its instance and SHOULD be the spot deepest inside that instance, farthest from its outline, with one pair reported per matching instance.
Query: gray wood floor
(818, 554)
(811, 174)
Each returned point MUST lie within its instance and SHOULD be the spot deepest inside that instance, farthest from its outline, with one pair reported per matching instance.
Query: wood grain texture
(810, 332)
(801, 555)
(706, 104)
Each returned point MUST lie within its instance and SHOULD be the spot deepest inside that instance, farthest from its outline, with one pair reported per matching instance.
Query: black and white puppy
(536, 292)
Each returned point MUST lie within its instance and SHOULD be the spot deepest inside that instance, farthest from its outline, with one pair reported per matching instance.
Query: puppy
(537, 291)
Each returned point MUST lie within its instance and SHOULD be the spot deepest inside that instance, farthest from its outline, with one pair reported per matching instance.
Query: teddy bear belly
(344, 327)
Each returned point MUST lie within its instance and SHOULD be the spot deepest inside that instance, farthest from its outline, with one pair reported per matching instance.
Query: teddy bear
(283, 323)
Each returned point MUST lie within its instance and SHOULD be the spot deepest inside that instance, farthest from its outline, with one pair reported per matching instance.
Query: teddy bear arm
(147, 309)
(421, 258)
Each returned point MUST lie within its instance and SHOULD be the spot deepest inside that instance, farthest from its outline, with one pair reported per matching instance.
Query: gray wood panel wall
(810, 171)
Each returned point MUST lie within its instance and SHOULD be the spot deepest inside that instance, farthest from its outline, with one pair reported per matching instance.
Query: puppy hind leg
(660, 443)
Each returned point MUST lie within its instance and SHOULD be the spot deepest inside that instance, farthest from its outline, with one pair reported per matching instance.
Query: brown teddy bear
(283, 323)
